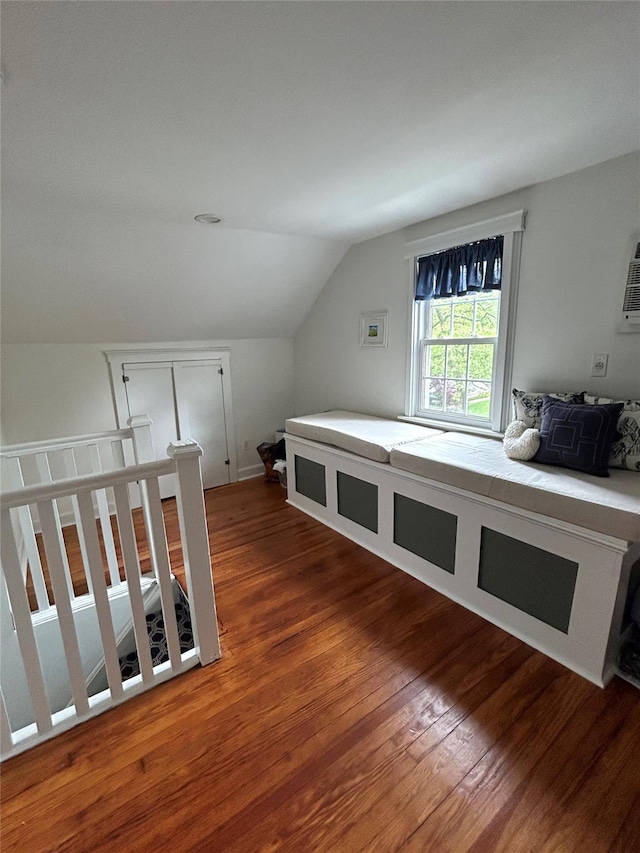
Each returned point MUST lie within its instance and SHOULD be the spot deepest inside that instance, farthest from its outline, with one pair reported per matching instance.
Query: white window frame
(511, 226)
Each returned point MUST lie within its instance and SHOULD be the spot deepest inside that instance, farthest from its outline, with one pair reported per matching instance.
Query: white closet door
(201, 416)
(150, 392)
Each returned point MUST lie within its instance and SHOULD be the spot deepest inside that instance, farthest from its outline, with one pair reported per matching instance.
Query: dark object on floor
(629, 658)
(270, 452)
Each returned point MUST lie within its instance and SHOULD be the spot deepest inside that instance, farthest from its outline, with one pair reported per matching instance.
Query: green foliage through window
(458, 354)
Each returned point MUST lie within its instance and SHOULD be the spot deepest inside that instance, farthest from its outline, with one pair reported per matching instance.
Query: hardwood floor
(354, 710)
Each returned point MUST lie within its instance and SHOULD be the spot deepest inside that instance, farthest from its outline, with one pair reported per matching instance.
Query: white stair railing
(36, 462)
(184, 461)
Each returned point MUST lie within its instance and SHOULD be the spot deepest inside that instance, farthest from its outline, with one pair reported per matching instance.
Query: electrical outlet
(599, 364)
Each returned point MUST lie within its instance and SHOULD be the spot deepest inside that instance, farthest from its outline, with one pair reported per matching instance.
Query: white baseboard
(250, 472)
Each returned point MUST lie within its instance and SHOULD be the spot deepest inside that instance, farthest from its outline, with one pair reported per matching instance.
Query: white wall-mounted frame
(374, 329)
(511, 225)
(222, 356)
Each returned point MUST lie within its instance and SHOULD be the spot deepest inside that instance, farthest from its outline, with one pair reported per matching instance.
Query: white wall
(574, 260)
(54, 390)
(55, 671)
(575, 257)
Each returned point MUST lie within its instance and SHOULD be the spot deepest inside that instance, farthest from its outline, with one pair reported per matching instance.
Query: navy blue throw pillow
(577, 436)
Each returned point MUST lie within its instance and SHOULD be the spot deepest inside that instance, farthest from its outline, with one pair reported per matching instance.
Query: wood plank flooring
(354, 710)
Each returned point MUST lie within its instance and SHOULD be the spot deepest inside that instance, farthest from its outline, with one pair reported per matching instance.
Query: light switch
(599, 364)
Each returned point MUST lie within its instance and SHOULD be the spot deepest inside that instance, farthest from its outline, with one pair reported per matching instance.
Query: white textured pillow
(625, 449)
(521, 442)
(527, 405)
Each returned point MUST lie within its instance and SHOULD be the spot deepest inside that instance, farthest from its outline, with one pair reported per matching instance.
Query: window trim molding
(450, 426)
(511, 226)
(505, 224)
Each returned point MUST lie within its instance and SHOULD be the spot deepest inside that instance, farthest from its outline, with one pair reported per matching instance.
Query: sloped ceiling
(306, 126)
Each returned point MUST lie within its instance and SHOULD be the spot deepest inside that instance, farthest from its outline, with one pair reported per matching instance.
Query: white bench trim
(593, 639)
(589, 535)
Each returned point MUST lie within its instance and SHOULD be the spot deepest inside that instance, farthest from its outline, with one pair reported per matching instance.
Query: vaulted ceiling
(306, 126)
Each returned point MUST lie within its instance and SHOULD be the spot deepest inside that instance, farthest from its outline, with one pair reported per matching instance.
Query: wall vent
(630, 319)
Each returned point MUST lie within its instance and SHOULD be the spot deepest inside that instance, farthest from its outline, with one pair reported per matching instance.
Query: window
(458, 354)
(463, 315)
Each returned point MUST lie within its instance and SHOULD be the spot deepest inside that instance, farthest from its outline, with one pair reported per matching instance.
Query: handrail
(84, 483)
(36, 715)
(63, 443)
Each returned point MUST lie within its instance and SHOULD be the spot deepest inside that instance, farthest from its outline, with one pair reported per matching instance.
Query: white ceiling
(306, 125)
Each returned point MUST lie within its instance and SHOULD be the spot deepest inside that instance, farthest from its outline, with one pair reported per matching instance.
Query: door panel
(150, 392)
(200, 408)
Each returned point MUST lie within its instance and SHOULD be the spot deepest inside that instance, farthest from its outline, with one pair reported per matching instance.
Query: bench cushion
(364, 435)
(477, 464)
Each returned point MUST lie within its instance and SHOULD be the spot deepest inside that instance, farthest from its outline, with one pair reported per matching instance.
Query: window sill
(451, 427)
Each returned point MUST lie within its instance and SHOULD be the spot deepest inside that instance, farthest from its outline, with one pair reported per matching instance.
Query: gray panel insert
(533, 580)
(426, 531)
(358, 500)
(310, 480)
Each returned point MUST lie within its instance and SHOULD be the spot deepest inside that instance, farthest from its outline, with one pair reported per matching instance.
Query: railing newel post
(195, 548)
(142, 438)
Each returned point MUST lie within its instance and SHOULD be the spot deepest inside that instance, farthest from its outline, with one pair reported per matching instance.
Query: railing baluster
(142, 442)
(163, 574)
(24, 626)
(195, 549)
(132, 573)
(29, 538)
(105, 622)
(71, 468)
(6, 740)
(6, 616)
(105, 518)
(63, 606)
(44, 470)
(118, 453)
(7, 623)
(148, 528)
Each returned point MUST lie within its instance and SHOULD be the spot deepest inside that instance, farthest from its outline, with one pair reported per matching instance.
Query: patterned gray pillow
(527, 405)
(625, 450)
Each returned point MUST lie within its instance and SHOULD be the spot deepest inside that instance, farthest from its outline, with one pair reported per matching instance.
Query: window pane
(479, 399)
(487, 318)
(440, 318)
(435, 361)
(463, 318)
(454, 396)
(457, 361)
(480, 361)
(455, 377)
(435, 399)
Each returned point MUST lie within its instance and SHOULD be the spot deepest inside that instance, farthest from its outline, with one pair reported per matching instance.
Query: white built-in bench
(546, 553)
(605, 504)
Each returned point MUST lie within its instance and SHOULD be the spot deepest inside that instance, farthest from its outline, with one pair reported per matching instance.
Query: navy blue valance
(454, 272)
